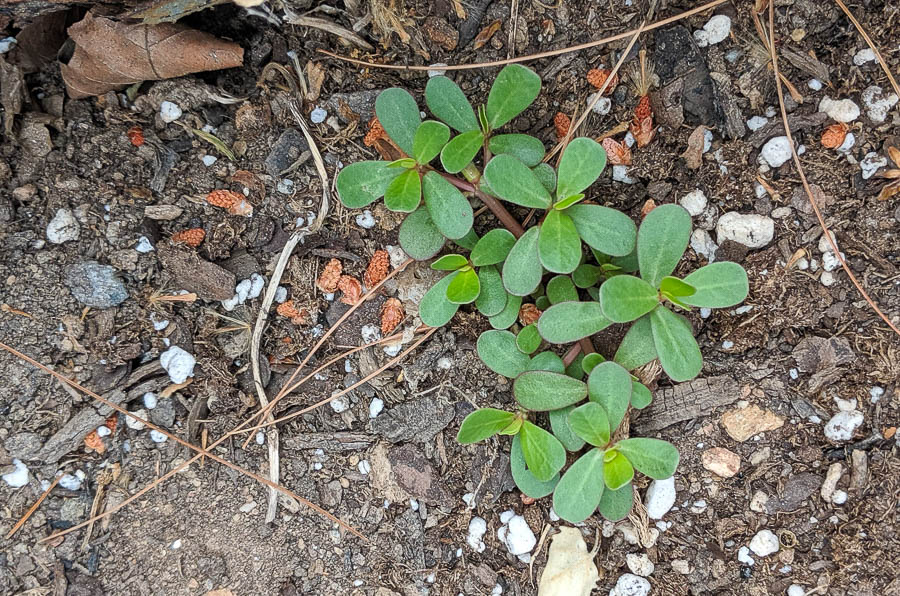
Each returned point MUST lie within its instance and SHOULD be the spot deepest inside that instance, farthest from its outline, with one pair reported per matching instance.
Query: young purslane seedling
(507, 266)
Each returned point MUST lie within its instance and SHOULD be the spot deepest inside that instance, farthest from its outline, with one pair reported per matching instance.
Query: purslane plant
(507, 265)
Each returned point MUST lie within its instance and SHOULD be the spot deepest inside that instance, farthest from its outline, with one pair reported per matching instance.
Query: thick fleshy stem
(506, 218)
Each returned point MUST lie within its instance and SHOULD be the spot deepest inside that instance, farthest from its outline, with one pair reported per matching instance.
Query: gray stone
(73, 510)
(289, 146)
(416, 420)
(23, 446)
(330, 495)
(359, 102)
(797, 489)
(194, 274)
(95, 285)
(164, 413)
(414, 473)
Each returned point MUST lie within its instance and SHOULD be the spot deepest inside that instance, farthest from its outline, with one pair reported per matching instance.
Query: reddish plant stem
(586, 346)
(506, 218)
(572, 354)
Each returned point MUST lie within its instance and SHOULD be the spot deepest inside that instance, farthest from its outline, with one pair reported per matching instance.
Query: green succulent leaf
(464, 288)
(544, 454)
(568, 202)
(497, 349)
(641, 397)
(522, 269)
(541, 391)
(626, 264)
(626, 298)
(447, 102)
(606, 230)
(449, 209)
(615, 505)
(586, 275)
(561, 289)
(363, 182)
(528, 340)
(492, 248)
(661, 241)
(637, 347)
(542, 303)
(434, 309)
(718, 285)
(512, 181)
(610, 386)
(525, 480)
(492, 299)
(674, 287)
(547, 361)
(575, 370)
(580, 489)
(508, 315)
(430, 138)
(559, 245)
(526, 148)
(652, 457)
(483, 424)
(546, 174)
(590, 422)
(570, 321)
(403, 162)
(404, 193)
(461, 150)
(513, 90)
(468, 241)
(675, 345)
(591, 361)
(581, 164)
(617, 470)
(559, 424)
(450, 262)
(399, 116)
(419, 237)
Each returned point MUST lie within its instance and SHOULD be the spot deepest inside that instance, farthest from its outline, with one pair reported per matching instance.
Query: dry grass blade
(803, 180)
(872, 45)
(189, 297)
(34, 507)
(528, 58)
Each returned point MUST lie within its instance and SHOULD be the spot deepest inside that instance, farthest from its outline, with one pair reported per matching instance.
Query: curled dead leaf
(648, 206)
(833, 136)
(528, 314)
(249, 180)
(315, 74)
(486, 34)
(693, 155)
(378, 268)
(561, 123)
(597, 77)
(643, 131)
(617, 153)
(110, 55)
(328, 280)
(570, 569)
(391, 315)
(93, 442)
(351, 288)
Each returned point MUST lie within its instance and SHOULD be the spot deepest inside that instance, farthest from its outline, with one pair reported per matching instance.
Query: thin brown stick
(34, 507)
(547, 54)
(800, 172)
(571, 354)
(872, 45)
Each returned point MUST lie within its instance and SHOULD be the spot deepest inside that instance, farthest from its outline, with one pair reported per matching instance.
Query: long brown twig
(802, 174)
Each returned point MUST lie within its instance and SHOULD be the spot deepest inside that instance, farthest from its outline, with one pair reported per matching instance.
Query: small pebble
(134, 423)
(794, 374)
(620, 174)
(878, 103)
(178, 363)
(694, 202)
(751, 230)
(839, 497)
(660, 498)
(436, 70)
(796, 590)
(765, 543)
(364, 467)
(629, 139)
(603, 105)
(175, 545)
(727, 345)
(18, 477)
(842, 110)
(340, 404)
(169, 112)
(744, 557)
(814, 84)
(365, 220)
(260, 438)
(477, 530)
(158, 437)
(103, 431)
(875, 394)
(281, 294)
(143, 246)
(776, 152)
(286, 187)
(630, 585)
(150, 400)
(757, 122)
(63, 227)
(70, 482)
(714, 31)
(827, 279)
(393, 349)
(705, 312)
(639, 564)
(370, 333)
(517, 536)
(6, 44)
(209, 160)
(318, 115)
(842, 425)
(863, 56)
(848, 143)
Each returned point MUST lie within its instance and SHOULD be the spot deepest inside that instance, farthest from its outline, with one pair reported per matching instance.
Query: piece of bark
(686, 401)
(338, 441)
(38, 42)
(807, 64)
(194, 274)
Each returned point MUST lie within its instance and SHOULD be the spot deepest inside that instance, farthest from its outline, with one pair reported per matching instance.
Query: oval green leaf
(561, 289)
(586, 275)
(493, 297)
(399, 116)
(468, 241)
(492, 248)
(544, 454)
(547, 361)
(615, 505)
(450, 262)
(641, 397)
(675, 345)
(570, 321)
(546, 174)
(617, 471)
(497, 349)
(581, 164)
(522, 269)
(461, 150)
(718, 285)
(434, 309)
(508, 315)
(580, 489)
(483, 424)
(574, 370)
(430, 138)
(464, 288)
(525, 480)
(675, 287)
(590, 422)
(542, 391)
(512, 181)
(363, 182)
(449, 209)
(513, 90)
(591, 361)
(419, 237)
(568, 202)
(606, 230)
(626, 298)
(528, 340)
(661, 241)
(559, 423)
(637, 347)
(404, 193)
(610, 386)
(559, 245)
(652, 457)
(448, 103)
(527, 149)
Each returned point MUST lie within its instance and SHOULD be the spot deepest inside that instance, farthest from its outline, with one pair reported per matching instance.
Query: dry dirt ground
(777, 364)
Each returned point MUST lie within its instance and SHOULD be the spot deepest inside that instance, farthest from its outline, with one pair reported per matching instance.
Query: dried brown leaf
(486, 34)
(111, 55)
(328, 280)
(833, 136)
(351, 289)
(643, 131)
(894, 153)
(378, 268)
(693, 155)
(391, 315)
(39, 41)
(528, 314)
(315, 74)
(649, 205)
(617, 153)
(889, 191)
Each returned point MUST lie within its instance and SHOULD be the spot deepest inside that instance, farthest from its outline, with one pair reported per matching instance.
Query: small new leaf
(497, 349)
(590, 422)
(581, 164)
(559, 245)
(676, 288)
(617, 470)
(430, 138)
(522, 269)
(482, 424)
(404, 193)
(718, 285)
(460, 151)
(528, 340)
(544, 454)
(465, 287)
(652, 457)
(527, 149)
(525, 480)
(450, 262)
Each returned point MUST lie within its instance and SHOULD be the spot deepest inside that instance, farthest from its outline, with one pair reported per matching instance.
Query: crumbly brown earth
(799, 346)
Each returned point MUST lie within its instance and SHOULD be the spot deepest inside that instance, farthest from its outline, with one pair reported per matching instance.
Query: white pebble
(694, 202)
(257, 283)
(875, 394)
(620, 174)
(178, 363)
(280, 294)
(477, 530)
(18, 477)
(397, 255)
(727, 345)
(6, 44)
(63, 227)
(318, 115)
(103, 431)
(824, 242)
(842, 110)
(365, 220)
(285, 186)
(340, 404)
(444, 363)
(765, 543)
(392, 349)
(150, 400)
(660, 497)
(629, 139)
(175, 545)
(630, 585)
(794, 374)
(70, 482)
(863, 56)
(603, 105)
(209, 160)
(796, 590)
(751, 230)
(436, 70)
(705, 312)
(143, 246)
(364, 467)
(158, 437)
(843, 424)
(370, 333)
(848, 143)
(517, 536)
(757, 122)
(169, 112)
(744, 557)
(714, 31)
(814, 84)
(871, 163)
(413, 504)
(776, 152)
(707, 140)
(839, 497)
(830, 261)
(878, 103)
(134, 423)
(639, 564)
(260, 438)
